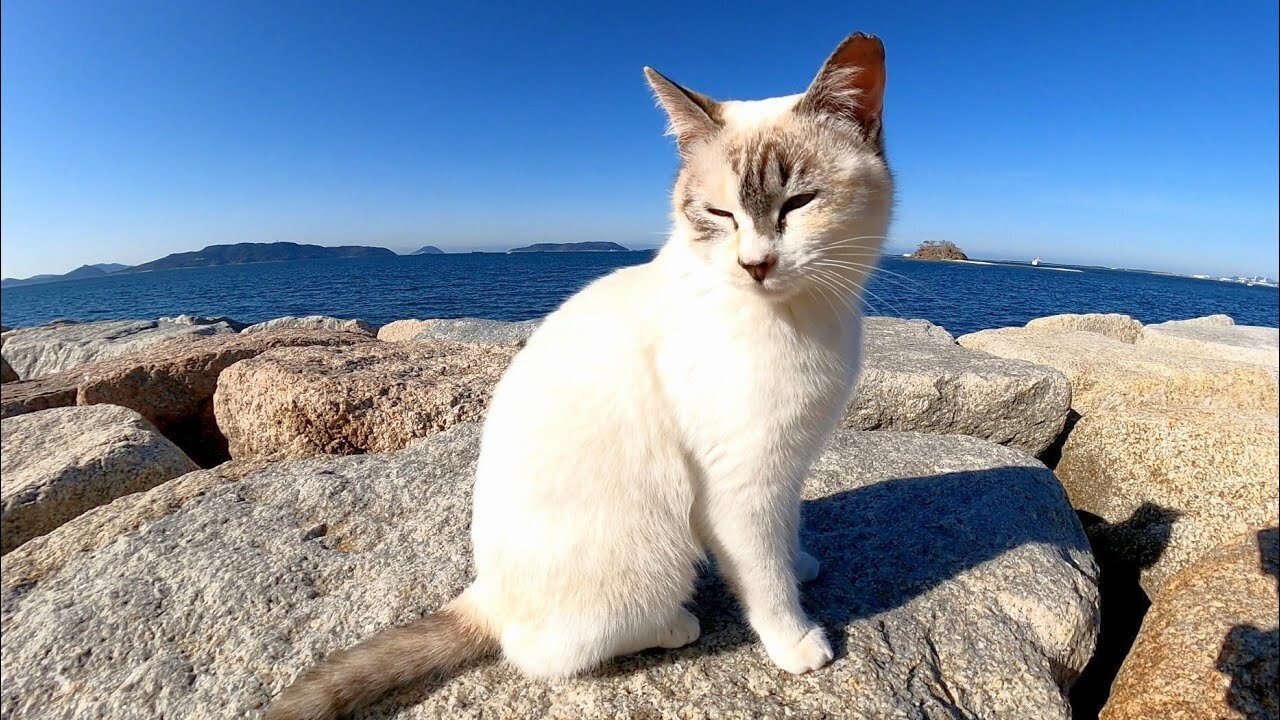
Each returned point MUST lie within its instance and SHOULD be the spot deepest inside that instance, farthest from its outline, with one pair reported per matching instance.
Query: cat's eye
(720, 213)
(795, 202)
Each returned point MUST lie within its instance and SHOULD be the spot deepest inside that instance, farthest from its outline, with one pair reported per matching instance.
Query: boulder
(1106, 372)
(1113, 325)
(403, 329)
(1209, 646)
(1239, 343)
(313, 322)
(480, 332)
(185, 319)
(374, 397)
(170, 384)
(1181, 480)
(6, 373)
(50, 349)
(915, 377)
(956, 582)
(59, 463)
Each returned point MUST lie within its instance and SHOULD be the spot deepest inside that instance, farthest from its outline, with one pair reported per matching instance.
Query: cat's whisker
(864, 291)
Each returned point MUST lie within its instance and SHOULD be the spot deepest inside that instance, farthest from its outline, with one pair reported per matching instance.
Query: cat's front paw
(808, 653)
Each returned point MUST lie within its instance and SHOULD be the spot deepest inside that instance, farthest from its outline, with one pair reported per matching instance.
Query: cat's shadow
(880, 547)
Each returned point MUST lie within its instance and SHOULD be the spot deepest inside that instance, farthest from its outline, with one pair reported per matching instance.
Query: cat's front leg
(753, 536)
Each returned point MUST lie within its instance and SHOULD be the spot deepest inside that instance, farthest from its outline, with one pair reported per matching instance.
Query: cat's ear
(851, 84)
(692, 116)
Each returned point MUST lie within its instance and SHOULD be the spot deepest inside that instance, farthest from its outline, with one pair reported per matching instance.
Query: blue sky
(1125, 134)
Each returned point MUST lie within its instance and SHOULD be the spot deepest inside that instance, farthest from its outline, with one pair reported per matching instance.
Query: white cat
(670, 409)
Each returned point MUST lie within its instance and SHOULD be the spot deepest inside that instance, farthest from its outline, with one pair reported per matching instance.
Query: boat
(1036, 262)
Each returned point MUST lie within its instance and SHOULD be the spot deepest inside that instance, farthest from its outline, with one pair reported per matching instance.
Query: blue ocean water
(960, 297)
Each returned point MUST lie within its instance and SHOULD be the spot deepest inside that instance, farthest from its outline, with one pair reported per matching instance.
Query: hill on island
(571, 247)
(939, 250)
(84, 271)
(428, 250)
(245, 253)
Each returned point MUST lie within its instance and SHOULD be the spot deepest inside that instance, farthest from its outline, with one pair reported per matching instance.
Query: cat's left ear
(693, 116)
(851, 84)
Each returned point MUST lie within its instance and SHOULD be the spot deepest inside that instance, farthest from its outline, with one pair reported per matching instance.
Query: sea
(961, 297)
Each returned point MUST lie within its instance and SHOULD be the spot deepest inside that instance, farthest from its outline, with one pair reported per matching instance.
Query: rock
(185, 319)
(480, 332)
(939, 250)
(956, 582)
(1240, 343)
(313, 322)
(1182, 480)
(374, 397)
(915, 377)
(1209, 646)
(1106, 372)
(6, 373)
(59, 463)
(1113, 325)
(50, 349)
(171, 384)
(1213, 320)
(401, 330)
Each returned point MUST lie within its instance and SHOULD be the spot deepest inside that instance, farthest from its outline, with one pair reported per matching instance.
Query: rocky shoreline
(194, 510)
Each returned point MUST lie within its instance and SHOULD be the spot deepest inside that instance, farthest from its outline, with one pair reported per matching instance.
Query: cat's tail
(349, 679)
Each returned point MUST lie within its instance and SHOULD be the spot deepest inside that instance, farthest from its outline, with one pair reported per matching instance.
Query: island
(245, 253)
(428, 250)
(84, 271)
(938, 250)
(571, 247)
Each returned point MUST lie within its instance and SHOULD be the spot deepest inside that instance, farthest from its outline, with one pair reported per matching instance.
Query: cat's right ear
(693, 117)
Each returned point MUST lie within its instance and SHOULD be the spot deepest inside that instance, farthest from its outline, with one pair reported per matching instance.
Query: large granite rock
(50, 349)
(374, 397)
(1237, 343)
(1113, 325)
(185, 319)
(480, 332)
(1199, 477)
(312, 322)
(915, 377)
(1210, 644)
(59, 463)
(956, 582)
(170, 384)
(1106, 372)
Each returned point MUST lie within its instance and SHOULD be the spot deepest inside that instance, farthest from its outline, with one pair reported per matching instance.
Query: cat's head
(788, 194)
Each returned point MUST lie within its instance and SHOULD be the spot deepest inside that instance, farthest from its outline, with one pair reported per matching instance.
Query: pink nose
(759, 270)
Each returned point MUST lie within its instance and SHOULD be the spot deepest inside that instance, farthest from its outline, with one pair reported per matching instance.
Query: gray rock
(1238, 343)
(313, 322)
(59, 463)
(1113, 325)
(956, 583)
(481, 332)
(916, 378)
(185, 319)
(51, 349)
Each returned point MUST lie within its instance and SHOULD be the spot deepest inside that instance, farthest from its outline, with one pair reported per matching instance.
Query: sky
(1139, 135)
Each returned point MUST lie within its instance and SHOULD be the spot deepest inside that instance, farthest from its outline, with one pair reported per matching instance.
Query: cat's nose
(759, 270)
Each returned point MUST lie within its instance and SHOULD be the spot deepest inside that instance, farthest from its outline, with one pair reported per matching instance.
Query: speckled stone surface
(956, 582)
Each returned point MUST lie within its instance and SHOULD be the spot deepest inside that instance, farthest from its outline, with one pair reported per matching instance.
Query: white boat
(1036, 262)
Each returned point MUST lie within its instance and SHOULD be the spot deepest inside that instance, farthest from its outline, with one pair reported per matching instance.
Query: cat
(670, 409)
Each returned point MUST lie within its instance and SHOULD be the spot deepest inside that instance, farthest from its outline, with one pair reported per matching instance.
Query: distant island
(84, 271)
(428, 250)
(245, 253)
(570, 247)
(939, 250)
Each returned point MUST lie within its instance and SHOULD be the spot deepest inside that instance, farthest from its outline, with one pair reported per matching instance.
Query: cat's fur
(670, 409)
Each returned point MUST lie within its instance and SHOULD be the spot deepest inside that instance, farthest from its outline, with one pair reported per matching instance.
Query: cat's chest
(758, 374)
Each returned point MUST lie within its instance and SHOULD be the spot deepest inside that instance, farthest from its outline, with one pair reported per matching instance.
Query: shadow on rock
(1250, 656)
(1122, 550)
